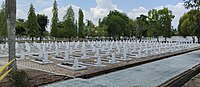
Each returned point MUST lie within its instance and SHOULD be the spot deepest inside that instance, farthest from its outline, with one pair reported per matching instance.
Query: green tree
(69, 25)
(101, 29)
(3, 23)
(184, 27)
(76, 29)
(194, 13)
(61, 33)
(20, 27)
(195, 22)
(142, 26)
(90, 29)
(54, 26)
(154, 24)
(81, 24)
(118, 24)
(32, 24)
(166, 18)
(43, 22)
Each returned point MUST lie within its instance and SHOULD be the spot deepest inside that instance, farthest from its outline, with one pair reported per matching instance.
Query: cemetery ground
(54, 61)
(35, 78)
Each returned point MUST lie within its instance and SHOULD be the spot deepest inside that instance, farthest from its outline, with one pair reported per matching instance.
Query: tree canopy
(32, 24)
(69, 23)
(20, 27)
(166, 18)
(54, 25)
(194, 18)
(43, 22)
(81, 24)
(118, 24)
(154, 24)
(3, 23)
(142, 26)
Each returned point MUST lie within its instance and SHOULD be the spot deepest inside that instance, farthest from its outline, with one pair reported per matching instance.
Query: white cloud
(137, 12)
(178, 10)
(21, 13)
(102, 9)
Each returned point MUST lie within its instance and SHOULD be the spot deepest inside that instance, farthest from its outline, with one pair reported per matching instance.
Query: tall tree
(32, 24)
(76, 28)
(90, 28)
(81, 24)
(69, 23)
(3, 23)
(61, 33)
(154, 24)
(141, 27)
(101, 29)
(184, 28)
(11, 21)
(54, 26)
(118, 24)
(20, 27)
(166, 17)
(195, 22)
(194, 5)
(43, 22)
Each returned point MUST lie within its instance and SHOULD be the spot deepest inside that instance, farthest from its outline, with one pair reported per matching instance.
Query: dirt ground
(194, 82)
(36, 78)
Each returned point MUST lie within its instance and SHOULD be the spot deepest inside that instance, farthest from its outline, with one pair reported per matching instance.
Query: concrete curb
(158, 57)
(181, 79)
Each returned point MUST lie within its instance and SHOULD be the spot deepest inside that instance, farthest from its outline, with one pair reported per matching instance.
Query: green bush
(19, 78)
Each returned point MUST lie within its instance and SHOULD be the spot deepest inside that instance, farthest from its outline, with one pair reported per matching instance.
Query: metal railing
(4, 70)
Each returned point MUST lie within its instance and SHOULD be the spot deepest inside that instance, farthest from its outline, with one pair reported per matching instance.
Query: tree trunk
(157, 39)
(11, 23)
(40, 38)
(1, 39)
(193, 39)
(140, 39)
(165, 39)
(198, 39)
(32, 39)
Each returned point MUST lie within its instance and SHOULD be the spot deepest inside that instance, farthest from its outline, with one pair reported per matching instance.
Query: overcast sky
(95, 9)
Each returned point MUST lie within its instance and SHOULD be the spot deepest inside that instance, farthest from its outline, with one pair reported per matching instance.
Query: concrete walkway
(147, 75)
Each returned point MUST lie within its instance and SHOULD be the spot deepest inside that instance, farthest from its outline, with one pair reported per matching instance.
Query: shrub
(19, 78)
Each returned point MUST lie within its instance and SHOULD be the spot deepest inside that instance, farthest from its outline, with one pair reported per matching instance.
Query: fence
(4, 71)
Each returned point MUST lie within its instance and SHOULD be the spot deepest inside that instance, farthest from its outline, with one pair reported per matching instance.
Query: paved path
(147, 75)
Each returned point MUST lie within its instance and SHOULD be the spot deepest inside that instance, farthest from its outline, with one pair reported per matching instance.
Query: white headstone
(125, 53)
(84, 56)
(139, 53)
(83, 50)
(56, 51)
(75, 65)
(22, 55)
(45, 60)
(66, 56)
(6, 45)
(99, 61)
(41, 54)
(113, 59)
(97, 53)
(16, 45)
